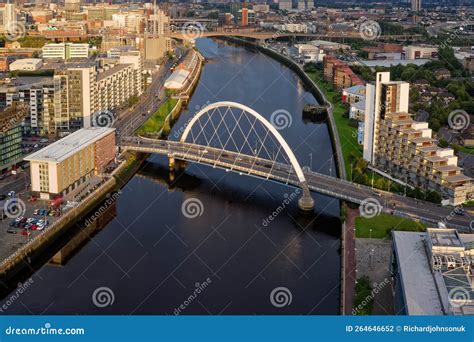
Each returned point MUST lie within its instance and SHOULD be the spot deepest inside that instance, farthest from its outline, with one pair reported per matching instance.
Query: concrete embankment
(23, 256)
(312, 87)
(26, 255)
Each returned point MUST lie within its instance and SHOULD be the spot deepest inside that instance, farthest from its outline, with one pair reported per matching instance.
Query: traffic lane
(408, 205)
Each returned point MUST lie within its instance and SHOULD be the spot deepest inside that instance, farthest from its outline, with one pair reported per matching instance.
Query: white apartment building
(8, 17)
(65, 51)
(395, 143)
(416, 5)
(129, 21)
(385, 96)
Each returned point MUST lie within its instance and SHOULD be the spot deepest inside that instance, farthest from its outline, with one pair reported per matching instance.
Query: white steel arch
(228, 104)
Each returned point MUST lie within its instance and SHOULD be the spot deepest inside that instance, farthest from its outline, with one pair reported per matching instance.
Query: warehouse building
(433, 272)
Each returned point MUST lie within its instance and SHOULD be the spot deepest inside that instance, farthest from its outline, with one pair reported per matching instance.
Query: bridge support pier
(175, 163)
(306, 201)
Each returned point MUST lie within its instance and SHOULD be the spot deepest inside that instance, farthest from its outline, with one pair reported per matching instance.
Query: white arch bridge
(236, 138)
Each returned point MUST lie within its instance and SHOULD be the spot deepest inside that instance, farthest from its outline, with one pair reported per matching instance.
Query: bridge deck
(282, 173)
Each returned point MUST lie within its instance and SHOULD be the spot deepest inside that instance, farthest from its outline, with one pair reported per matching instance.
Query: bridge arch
(306, 202)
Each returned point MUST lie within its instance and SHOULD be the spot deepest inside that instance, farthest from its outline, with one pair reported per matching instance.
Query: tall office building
(416, 5)
(159, 23)
(7, 17)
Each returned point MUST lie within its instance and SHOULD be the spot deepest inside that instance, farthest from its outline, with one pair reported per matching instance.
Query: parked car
(11, 231)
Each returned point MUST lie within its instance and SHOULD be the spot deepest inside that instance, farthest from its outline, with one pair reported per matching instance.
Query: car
(459, 211)
(26, 233)
(31, 220)
(12, 223)
(27, 225)
(11, 231)
(34, 227)
(36, 146)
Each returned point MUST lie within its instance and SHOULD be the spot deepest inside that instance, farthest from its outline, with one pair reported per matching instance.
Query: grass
(347, 133)
(155, 123)
(363, 299)
(469, 150)
(383, 224)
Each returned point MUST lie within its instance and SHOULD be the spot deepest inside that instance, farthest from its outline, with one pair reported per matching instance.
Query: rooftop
(66, 147)
(421, 294)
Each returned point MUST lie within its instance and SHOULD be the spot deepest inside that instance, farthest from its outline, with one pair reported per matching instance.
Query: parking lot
(11, 238)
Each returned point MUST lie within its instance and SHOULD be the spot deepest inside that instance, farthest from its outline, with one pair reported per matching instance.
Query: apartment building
(339, 74)
(397, 144)
(75, 96)
(353, 94)
(8, 17)
(65, 51)
(64, 165)
(114, 85)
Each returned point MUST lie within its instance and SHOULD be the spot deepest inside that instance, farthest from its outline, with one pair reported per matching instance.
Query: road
(327, 185)
(130, 119)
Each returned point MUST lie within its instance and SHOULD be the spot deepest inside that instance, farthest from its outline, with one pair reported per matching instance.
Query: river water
(152, 259)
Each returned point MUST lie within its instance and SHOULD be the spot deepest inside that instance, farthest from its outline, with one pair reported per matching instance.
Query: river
(151, 259)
